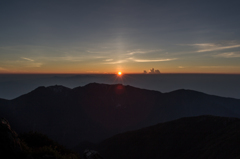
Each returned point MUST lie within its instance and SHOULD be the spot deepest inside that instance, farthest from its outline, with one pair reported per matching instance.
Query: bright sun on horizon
(119, 73)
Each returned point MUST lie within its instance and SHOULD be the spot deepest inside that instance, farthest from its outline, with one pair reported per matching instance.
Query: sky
(106, 36)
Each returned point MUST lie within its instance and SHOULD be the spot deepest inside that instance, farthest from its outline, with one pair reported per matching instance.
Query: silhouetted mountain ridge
(97, 111)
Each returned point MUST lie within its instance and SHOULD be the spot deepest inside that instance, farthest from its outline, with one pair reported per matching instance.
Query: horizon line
(113, 73)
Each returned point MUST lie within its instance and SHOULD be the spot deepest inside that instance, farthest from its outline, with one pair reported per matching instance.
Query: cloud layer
(208, 47)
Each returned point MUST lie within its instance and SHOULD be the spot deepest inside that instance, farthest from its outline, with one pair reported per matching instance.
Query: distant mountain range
(98, 111)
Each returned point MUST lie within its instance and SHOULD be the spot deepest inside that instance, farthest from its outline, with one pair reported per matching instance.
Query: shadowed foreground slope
(30, 145)
(192, 137)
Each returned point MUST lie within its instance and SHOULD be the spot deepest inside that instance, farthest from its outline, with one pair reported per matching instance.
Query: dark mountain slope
(183, 103)
(192, 137)
(30, 145)
(97, 111)
(4, 102)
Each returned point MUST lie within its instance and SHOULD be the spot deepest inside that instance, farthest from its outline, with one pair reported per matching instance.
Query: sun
(119, 73)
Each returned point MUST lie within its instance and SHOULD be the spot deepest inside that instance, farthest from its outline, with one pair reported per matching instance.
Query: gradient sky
(105, 36)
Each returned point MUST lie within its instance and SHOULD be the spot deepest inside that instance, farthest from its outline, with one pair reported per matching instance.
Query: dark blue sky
(56, 36)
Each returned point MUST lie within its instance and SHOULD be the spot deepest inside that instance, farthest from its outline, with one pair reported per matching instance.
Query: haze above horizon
(102, 37)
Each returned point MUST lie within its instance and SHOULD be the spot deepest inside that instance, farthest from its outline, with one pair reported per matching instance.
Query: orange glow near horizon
(118, 71)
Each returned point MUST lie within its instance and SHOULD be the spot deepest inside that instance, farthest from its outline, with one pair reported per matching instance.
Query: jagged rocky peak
(58, 88)
(94, 84)
(97, 86)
